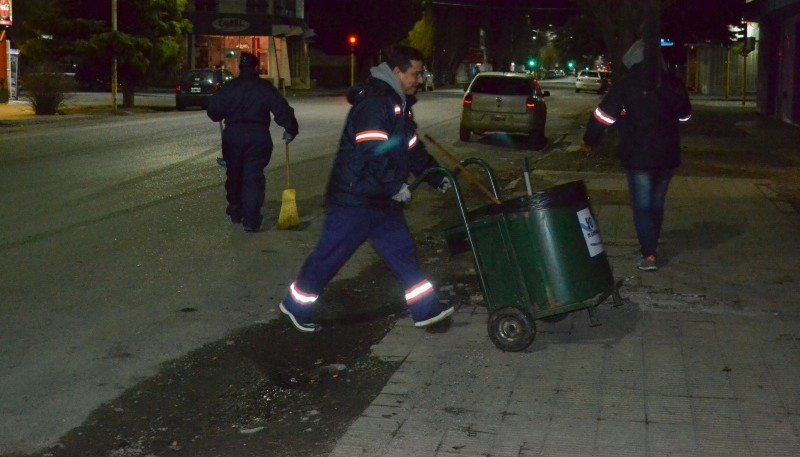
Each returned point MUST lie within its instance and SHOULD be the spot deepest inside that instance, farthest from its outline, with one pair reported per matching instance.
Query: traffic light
(532, 63)
(352, 40)
(571, 64)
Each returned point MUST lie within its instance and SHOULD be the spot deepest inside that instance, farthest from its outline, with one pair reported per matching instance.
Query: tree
(33, 30)
(549, 56)
(620, 22)
(423, 35)
(149, 44)
(578, 40)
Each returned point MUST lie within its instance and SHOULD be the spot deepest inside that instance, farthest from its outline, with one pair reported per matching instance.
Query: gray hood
(384, 73)
(634, 55)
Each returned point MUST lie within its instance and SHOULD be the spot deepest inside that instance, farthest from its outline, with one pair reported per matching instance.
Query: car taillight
(178, 88)
(530, 103)
(468, 100)
(215, 88)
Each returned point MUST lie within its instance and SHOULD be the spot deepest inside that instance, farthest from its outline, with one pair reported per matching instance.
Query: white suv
(591, 80)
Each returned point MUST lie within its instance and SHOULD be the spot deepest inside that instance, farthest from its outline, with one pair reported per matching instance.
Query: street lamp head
(352, 40)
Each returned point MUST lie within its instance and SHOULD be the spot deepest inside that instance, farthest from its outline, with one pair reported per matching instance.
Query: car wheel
(537, 140)
(180, 106)
(577, 90)
(463, 134)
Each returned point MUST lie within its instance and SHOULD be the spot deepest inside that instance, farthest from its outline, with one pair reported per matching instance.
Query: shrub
(46, 89)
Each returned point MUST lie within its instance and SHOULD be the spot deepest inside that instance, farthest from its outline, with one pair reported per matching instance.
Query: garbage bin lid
(560, 196)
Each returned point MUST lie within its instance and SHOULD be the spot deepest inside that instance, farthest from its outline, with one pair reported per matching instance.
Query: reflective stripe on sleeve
(418, 291)
(372, 135)
(412, 142)
(302, 297)
(684, 119)
(603, 118)
(397, 110)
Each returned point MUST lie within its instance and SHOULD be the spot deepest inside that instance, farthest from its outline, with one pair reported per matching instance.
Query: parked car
(504, 102)
(607, 76)
(196, 86)
(591, 80)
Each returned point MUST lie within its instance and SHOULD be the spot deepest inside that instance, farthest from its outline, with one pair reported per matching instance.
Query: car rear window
(501, 86)
(590, 74)
(198, 76)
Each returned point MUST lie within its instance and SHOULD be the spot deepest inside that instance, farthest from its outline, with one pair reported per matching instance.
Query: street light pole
(114, 59)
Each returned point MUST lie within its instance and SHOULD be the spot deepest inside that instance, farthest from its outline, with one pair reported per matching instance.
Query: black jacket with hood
(379, 148)
(246, 103)
(648, 121)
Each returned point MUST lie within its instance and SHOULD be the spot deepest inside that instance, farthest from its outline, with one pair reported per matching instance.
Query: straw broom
(288, 217)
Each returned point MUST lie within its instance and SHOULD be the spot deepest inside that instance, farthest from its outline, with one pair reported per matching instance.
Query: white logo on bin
(590, 232)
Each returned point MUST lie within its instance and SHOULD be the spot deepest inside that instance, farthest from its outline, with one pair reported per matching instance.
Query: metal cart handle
(451, 175)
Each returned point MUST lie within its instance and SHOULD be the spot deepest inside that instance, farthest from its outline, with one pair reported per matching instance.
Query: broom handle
(469, 175)
(288, 174)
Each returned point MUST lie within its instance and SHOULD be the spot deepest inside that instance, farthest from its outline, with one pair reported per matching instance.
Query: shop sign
(228, 24)
(5, 13)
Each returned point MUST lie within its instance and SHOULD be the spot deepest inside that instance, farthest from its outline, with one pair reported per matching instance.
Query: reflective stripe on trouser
(345, 229)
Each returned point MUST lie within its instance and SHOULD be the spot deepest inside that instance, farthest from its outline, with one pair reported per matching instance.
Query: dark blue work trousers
(247, 151)
(347, 228)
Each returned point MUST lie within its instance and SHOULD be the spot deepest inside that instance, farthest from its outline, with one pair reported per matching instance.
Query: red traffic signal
(352, 40)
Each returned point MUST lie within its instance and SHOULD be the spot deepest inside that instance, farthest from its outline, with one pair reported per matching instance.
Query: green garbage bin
(540, 255)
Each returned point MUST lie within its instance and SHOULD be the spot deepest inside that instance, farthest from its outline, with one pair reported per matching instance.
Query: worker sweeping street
(245, 104)
(367, 190)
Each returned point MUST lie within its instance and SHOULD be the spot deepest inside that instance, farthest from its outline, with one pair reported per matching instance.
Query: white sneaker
(437, 318)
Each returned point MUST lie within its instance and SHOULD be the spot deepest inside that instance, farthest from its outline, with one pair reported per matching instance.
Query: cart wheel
(510, 329)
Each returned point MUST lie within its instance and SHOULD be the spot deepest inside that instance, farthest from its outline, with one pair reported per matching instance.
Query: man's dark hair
(247, 60)
(402, 56)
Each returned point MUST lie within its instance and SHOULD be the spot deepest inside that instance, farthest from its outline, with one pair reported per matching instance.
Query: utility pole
(482, 43)
(114, 59)
(745, 51)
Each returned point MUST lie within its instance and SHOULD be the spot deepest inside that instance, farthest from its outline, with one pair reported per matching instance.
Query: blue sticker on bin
(590, 232)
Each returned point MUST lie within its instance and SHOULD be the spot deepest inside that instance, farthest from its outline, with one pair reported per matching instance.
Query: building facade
(274, 30)
(778, 91)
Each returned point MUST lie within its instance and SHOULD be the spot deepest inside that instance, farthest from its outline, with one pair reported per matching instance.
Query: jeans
(648, 191)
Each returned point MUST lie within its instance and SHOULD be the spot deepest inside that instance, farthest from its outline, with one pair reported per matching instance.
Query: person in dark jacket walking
(245, 104)
(366, 192)
(649, 147)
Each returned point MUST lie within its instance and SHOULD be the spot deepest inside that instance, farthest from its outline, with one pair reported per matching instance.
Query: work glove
(404, 196)
(446, 184)
(287, 137)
